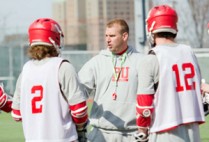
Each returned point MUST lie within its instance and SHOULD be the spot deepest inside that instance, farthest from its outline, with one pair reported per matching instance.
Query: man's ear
(125, 36)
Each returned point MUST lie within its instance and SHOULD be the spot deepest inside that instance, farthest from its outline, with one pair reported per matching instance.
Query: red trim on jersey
(168, 129)
(77, 106)
(16, 112)
(16, 115)
(79, 121)
(79, 113)
(143, 121)
(144, 101)
(174, 127)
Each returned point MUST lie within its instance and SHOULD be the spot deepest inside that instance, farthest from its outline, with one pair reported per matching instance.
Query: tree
(200, 17)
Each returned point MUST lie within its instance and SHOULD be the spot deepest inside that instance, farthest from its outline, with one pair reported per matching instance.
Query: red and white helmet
(45, 31)
(162, 18)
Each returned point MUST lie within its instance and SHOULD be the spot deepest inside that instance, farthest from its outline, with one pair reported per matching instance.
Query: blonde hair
(121, 22)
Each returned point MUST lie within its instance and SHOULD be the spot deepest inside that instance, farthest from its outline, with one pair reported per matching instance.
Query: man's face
(116, 42)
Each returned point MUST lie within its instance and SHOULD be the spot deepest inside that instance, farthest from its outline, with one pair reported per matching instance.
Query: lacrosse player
(205, 95)
(169, 103)
(205, 91)
(113, 75)
(48, 97)
(5, 100)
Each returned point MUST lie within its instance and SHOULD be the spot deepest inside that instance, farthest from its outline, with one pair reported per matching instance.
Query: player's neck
(160, 41)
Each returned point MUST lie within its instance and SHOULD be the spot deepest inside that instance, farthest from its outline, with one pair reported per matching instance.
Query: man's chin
(110, 48)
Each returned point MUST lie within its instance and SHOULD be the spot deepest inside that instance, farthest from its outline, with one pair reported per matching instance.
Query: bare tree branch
(199, 11)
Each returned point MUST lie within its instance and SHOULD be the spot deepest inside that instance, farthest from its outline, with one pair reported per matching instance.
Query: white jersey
(45, 112)
(178, 98)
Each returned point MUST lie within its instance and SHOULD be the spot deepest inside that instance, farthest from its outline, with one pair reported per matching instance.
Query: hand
(82, 131)
(82, 135)
(142, 135)
(206, 108)
(206, 98)
(205, 88)
(205, 92)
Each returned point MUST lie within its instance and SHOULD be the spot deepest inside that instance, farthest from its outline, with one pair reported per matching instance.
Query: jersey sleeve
(148, 77)
(87, 76)
(16, 96)
(16, 101)
(74, 93)
(70, 84)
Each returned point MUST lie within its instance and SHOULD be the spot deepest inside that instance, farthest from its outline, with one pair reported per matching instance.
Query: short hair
(40, 52)
(121, 22)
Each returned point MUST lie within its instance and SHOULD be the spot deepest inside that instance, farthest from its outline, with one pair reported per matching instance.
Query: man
(5, 100)
(205, 94)
(205, 91)
(48, 97)
(205, 87)
(169, 103)
(113, 75)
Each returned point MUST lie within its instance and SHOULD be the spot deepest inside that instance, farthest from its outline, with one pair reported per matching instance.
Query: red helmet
(162, 18)
(45, 31)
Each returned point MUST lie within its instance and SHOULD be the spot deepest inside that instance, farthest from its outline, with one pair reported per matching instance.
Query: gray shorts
(183, 133)
(98, 135)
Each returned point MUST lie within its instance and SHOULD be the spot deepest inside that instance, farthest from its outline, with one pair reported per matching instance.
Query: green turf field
(11, 131)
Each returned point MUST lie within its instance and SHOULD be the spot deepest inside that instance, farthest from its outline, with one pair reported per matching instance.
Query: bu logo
(122, 74)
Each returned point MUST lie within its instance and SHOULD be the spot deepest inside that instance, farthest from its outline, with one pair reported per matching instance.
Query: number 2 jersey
(177, 99)
(45, 110)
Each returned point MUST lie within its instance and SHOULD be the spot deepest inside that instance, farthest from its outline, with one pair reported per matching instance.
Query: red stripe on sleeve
(79, 113)
(145, 99)
(144, 102)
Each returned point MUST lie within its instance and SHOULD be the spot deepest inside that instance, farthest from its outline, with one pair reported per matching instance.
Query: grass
(204, 131)
(11, 131)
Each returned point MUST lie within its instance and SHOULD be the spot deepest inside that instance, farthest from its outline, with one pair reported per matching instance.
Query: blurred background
(83, 23)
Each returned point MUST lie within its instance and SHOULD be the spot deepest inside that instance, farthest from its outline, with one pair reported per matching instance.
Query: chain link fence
(12, 60)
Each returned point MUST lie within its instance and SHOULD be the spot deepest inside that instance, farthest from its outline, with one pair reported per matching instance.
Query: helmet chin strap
(151, 40)
(58, 48)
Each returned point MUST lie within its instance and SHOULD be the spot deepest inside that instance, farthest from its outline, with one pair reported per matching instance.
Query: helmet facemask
(61, 39)
(150, 36)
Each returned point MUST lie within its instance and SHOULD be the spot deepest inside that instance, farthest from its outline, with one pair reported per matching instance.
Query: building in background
(99, 12)
(70, 14)
(83, 21)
